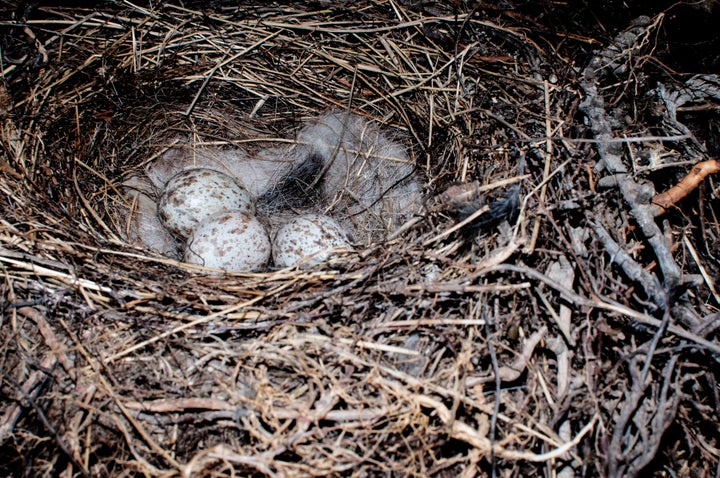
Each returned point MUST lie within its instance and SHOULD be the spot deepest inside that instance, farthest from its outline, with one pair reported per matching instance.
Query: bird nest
(547, 312)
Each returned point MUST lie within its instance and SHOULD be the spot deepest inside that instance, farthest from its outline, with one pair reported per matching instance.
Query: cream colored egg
(309, 238)
(232, 240)
(195, 194)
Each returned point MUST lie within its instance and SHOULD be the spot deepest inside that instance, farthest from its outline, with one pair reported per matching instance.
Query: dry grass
(521, 349)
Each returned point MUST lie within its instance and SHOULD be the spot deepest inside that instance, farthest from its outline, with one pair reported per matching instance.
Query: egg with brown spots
(196, 194)
(231, 240)
(307, 239)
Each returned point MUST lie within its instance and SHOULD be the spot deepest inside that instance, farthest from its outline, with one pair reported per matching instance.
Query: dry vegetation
(578, 337)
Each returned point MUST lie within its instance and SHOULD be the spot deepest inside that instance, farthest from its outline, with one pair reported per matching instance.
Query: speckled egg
(307, 238)
(232, 240)
(195, 194)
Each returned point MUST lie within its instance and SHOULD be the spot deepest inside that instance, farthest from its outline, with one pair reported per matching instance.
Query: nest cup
(340, 166)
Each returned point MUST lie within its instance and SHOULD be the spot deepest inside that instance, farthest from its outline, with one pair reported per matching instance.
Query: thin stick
(530, 248)
(691, 181)
(708, 280)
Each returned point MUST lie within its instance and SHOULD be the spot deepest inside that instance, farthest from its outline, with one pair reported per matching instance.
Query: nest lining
(383, 362)
(339, 166)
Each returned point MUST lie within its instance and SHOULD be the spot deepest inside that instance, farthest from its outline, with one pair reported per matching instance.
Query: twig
(608, 305)
(546, 171)
(703, 271)
(634, 271)
(126, 413)
(496, 403)
(691, 181)
(48, 426)
(628, 455)
(636, 195)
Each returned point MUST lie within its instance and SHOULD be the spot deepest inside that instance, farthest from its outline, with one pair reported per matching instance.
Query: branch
(637, 195)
